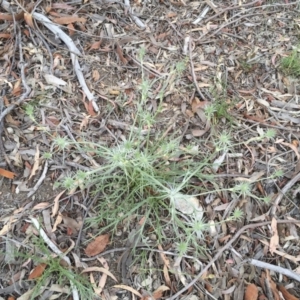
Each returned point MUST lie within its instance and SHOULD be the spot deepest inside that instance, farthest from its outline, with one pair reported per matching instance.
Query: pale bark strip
(274, 268)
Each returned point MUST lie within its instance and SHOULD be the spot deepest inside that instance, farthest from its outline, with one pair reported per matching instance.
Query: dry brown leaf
(158, 293)
(84, 123)
(41, 205)
(274, 241)
(28, 19)
(197, 104)
(57, 222)
(171, 14)
(103, 278)
(56, 204)
(100, 269)
(97, 245)
(68, 20)
(7, 174)
(17, 88)
(292, 146)
(96, 75)
(71, 29)
(5, 35)
(90, 109)
(72, 224)
(93, 282)
(128, 288)
(198, 132)
(37, 271)
(273, 286)
(11, 120)
(251, 292)
(120, 54)
(285, 293)
(36, 162)
(96, 45)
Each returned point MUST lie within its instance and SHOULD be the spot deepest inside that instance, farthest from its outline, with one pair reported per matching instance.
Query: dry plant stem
(283, 192)
(84, 218)
(221, 250)
(36, 32)
(274, 268)
(41, 179)
(193, 71)
(74, 52)
(55, 250)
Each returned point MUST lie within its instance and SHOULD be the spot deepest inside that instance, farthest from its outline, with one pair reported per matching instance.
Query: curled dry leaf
(56, 204)
(100, 269)
(198, 132)
(97, 245)
(72, 224)
(128, 288)
(37, 271)
(285, 293)
(251, 292)
(158, 293)
(28, 19)
(36, 162)
(41, 205)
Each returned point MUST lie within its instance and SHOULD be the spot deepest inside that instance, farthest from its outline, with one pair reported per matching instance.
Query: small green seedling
(290, 65)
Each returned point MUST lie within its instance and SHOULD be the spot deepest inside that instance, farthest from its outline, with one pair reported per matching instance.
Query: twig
(39, 35)
(283, 192)
(137, 21)
(41, 179)
(193, 71)
(84, 218)
(74, 52)
(221, 250)
(274, 268)
(202, 15)
(53, 247)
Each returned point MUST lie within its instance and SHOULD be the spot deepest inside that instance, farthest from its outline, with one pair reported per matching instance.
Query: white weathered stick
(274, 268)
(74, 53)
(202, 15)
(40, 181)
(137, 21)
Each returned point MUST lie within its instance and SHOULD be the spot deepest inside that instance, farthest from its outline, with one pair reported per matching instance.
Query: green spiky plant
(143, 176)
(290, 65)
(54, 271)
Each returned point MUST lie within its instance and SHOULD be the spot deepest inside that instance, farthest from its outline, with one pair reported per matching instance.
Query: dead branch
(74, 54)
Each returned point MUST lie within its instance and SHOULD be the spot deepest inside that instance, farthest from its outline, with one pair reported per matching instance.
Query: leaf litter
(234, 51)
